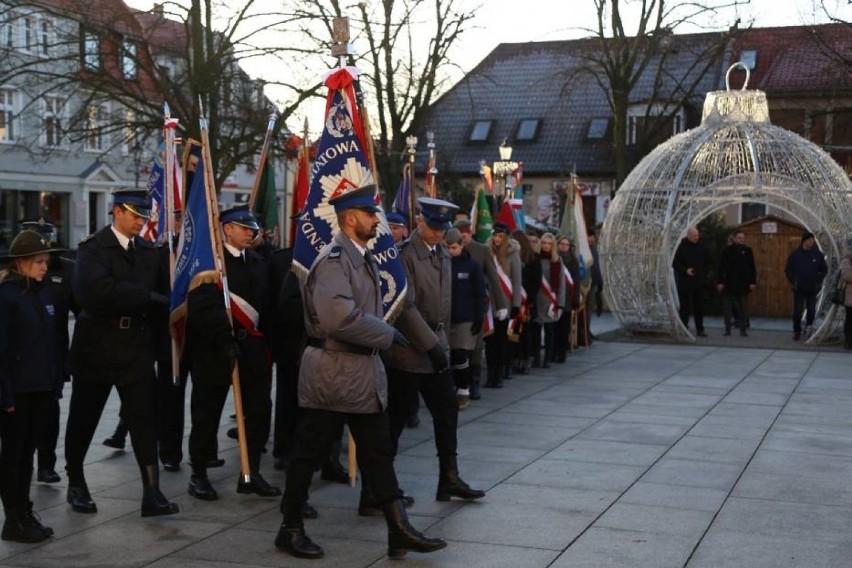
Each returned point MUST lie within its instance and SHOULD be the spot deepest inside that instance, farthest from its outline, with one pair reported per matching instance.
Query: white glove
(501, 314)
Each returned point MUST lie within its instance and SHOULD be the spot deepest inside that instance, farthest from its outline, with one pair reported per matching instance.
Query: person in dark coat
(528, 351)
(59, 273)
(468, 312)
(214, 345)
(117, 282)
(30, 378)
(341, 378)
(570, 272)
(737, 277)
(424, 366)
(691, 266)
(805, 270)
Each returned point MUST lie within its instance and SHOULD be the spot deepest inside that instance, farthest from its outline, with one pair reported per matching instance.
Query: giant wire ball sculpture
(734, 156)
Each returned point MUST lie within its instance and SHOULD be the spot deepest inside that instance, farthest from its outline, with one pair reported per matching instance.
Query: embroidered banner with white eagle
(341, 165)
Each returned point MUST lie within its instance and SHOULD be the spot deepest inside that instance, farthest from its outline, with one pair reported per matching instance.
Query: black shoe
(201, 488)
(214, 463)
(402, 537)
(413, 421)
(155, 504)
(31, 518)
(451, 485)
(308, 511)
(295, 542)
(171, 465)
(17, 528)
(258, 486)
(475, 394)
(80, 500)
(333, 471)
(47, 475)
(114, 442)
(232, 434)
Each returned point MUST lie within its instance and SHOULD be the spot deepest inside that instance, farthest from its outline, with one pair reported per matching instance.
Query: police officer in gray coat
(423, 367)
(342, 378)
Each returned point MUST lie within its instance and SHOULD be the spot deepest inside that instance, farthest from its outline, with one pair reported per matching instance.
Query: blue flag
(341, 165)
(154, 227)
(195, 260)
(403, 193)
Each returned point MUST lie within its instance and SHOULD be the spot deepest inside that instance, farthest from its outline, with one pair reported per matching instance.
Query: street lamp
(503, 170)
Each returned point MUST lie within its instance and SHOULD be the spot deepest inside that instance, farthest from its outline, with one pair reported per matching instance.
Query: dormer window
(527, 130)
(480, 131)
(748, 57)
(597, 129)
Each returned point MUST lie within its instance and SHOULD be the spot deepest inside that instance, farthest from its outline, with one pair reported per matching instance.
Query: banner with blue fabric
(341, 165)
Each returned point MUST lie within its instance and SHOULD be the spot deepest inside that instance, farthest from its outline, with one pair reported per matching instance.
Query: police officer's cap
(361, 198)
(29, 243)
(395, 218)
(41, 225)
(239, 215)
(133, 199)
(437, 213)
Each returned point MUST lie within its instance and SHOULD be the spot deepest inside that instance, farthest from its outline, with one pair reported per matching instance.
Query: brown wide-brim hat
(29, 243)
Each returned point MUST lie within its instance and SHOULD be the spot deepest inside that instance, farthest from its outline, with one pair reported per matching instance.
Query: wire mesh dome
(734, 156)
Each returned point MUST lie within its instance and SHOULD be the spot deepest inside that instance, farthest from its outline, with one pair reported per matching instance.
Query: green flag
(266, 205)
(481, 217)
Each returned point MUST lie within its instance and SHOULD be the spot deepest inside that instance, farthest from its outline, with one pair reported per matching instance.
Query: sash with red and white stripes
(554, 311)
(506, 285)
(488, 321)
(244, 313)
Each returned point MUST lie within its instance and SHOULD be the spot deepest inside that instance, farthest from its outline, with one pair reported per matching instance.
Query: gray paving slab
(630, 454)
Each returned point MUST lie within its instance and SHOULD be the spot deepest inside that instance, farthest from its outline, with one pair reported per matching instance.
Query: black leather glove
(438, 357)
(476, 327)
(158, 299)
(232, 352)
(400, 339)
(514, 313)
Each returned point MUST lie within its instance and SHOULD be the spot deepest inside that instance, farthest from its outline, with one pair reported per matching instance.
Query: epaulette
(334, 252)
(87, 238)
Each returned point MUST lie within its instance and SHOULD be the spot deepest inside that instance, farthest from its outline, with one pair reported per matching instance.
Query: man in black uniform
(59, 273)
(424, 366)
(213, 346)
(117, 281)
(341, 378)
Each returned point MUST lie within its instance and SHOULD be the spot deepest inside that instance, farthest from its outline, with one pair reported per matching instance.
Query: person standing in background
(805, 270)
(737, 277)
(691, 265)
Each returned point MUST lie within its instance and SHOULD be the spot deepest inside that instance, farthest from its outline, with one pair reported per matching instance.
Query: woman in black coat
(30, 377)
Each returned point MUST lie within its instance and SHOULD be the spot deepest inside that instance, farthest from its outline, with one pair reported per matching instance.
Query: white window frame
(8, 30)
(129, 59)
(45, 36)
(54, 109)
(29, 33)
(97, 116)
(655, 110)
(10, 103)
(91, 51)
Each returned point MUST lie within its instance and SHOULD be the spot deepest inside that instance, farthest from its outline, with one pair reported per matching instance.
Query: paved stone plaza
(630, 454)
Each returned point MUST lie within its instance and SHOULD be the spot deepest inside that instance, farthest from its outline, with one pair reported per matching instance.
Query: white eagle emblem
(338, 123)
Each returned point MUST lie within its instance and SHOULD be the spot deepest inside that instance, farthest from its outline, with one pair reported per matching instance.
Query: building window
(8, 116)
(527, 130)
(748, 57)
(54, 107)
(129, 63)
(597, 129)
(96, 137)
(7, 31)
(751, 211)
(480, 131)
(91, 51)
(650, 126)
(45, 37)
(29, 34)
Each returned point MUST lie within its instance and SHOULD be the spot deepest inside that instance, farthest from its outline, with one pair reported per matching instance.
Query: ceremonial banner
(341, 165)
(480, 217)
(195, 262)
(402, 200)
(155, 226)
(302, 187)
(266, 205)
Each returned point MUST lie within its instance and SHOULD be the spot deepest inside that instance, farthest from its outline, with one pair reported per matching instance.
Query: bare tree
(624, 55)
(407, 54)
(112, 68)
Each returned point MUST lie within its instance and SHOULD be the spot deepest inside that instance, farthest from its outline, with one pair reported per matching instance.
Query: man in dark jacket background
(805, 270)
(736, 279)
(691, 265)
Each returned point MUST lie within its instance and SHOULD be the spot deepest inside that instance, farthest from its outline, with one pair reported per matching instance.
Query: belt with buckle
(342, 347)
(437, 327)
(127, 322)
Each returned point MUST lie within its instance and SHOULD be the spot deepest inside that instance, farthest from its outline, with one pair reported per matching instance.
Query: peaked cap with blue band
(361, 198)
(40, 225)
(395, 218)
(437, 213)
(135, 200)
(239, 215)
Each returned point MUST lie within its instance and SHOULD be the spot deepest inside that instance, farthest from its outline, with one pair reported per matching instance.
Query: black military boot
(118, 437)
(31, 518)
(78, 493)
(498, 377)
(332, 469)
(369, 507)
(257, 484)
(402, 537)
(200, 486)
(451, 485)
(154, 503)
(292, 538)
(17, 528)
